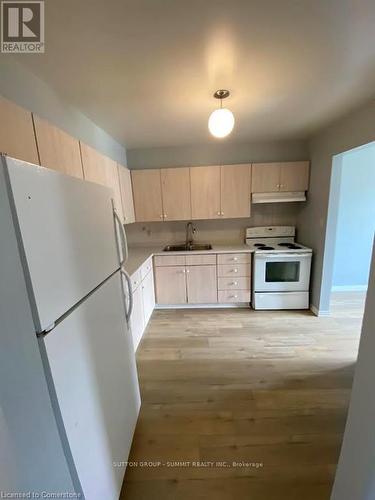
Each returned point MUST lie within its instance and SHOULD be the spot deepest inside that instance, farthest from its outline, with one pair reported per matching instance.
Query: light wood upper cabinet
(57, 149)
(170, 285)
(175, 185)
(17, 138)
(282, 176)
(126, 194)
(201, 284)
(265, 177)
(147, 195)
(294, 176)
(235, 190)
(205, 192)
(102, 170)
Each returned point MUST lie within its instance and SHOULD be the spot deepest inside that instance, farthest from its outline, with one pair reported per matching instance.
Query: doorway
(350, 230)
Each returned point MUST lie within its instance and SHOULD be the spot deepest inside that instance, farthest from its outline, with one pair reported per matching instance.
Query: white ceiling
(145, 70)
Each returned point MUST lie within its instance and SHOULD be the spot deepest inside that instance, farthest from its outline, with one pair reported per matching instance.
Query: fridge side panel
(93, 369)
(66, 229)
(31, 453)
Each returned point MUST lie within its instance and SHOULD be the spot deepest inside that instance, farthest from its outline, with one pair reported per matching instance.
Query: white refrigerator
(69, 394)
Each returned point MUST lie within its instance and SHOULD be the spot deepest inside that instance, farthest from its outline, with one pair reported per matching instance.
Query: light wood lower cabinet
(148, 296)
(170, 285)
(143, 301)
(233, 296)
(234, 278)
(202, 278)
(137, 322)
(201, 283)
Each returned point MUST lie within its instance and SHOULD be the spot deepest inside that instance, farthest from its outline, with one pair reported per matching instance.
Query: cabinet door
(235, 191)
(294, 176)
(148, 295)
(205, 192)
(137, 322)
(126, 194)
(201, 284)
(102, 170)
(175, 184)
(17, 136)
(265, 177)
(170, 285)
(147, 195)
(57, 149)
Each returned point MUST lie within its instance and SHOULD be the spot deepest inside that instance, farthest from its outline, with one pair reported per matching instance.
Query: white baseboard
(349, 288)
(319, 313)
(204, 306)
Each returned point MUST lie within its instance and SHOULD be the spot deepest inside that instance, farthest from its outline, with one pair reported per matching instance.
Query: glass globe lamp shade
(221, 122)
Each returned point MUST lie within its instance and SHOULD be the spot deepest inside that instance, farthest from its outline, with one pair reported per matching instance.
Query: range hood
(278, 197)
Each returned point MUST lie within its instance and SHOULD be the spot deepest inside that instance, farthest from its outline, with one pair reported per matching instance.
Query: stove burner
(291, 246)
(259, 244)
(266, 248)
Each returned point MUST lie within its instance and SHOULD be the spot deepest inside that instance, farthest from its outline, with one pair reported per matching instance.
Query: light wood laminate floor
(266, 390)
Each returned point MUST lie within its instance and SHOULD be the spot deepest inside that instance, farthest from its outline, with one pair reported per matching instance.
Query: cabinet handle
(218, 213)
(235, 283)
(161, 216)
(184, 271)
(233, 296)
(165, 216)
(235, 259)
(187, 270)
(222, 213)
(235, 270)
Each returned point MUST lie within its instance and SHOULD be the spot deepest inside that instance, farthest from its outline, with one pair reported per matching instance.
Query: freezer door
(92, 363)
(66, 229)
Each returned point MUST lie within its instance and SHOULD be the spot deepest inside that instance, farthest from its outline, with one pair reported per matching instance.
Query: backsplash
(225, 231)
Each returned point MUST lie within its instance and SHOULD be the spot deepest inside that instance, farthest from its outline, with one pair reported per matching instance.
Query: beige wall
(213, 231)
(218, 153)
(355, 129)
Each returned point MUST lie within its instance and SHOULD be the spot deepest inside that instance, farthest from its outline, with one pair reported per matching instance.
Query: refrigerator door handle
(124, 241)
(129, 310)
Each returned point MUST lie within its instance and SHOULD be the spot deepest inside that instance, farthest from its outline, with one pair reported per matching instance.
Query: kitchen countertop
(139, 254)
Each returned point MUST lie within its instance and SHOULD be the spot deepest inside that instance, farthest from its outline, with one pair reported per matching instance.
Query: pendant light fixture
(221, 121)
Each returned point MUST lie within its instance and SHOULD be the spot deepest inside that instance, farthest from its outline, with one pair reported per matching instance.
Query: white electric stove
(281, 268)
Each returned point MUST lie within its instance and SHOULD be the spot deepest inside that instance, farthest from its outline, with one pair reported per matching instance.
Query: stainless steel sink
(187, 248)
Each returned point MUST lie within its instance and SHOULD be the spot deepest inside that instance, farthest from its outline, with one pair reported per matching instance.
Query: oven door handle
(269, 255)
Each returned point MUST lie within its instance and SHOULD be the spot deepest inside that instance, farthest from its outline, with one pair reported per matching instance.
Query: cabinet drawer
(234, 283)
(229, 270)
(228, 296)
(202, 259)
(146, 267)
(169, 260)
(233, 258)
(136, 279)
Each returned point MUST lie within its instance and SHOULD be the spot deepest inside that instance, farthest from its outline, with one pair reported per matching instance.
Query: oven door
(283, 272)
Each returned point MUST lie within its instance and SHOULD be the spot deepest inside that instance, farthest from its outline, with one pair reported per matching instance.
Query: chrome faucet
(190, 231)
